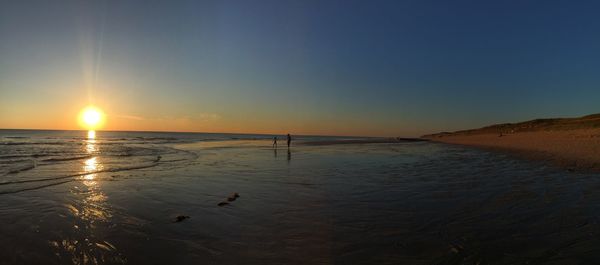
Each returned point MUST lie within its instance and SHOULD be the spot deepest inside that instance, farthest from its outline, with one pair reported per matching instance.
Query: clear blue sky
(323, 67)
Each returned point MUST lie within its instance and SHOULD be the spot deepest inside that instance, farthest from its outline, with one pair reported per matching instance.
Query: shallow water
(67, 199)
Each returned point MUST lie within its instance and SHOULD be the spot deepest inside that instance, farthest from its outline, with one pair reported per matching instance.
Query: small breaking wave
(33, 143)
(67, 158)
(34, 188)
(119, 169)
(21, 169)
(21, 156)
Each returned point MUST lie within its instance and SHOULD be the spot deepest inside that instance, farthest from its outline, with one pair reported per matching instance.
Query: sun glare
(91, 118)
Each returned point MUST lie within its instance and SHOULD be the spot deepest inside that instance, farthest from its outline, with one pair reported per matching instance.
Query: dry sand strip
(577, 149)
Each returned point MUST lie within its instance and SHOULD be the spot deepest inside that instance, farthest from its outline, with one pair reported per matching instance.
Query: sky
(373, 68)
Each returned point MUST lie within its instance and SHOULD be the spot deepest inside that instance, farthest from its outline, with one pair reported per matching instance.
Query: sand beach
(573, 143)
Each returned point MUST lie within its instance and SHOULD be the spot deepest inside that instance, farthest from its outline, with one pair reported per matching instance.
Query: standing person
(289, 140)
(275, 142)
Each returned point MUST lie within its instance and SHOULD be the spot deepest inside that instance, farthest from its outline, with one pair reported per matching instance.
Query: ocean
(73, 197)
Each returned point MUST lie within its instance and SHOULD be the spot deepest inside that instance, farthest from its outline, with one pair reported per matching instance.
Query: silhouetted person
(289, 140)
(275, 142)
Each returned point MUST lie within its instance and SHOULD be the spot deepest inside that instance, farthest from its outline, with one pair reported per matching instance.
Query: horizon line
(149, 131)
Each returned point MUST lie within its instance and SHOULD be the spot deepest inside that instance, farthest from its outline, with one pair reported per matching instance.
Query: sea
(84, 197)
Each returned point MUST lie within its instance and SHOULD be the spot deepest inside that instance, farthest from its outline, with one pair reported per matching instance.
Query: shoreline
(365, 141)
(577, 149)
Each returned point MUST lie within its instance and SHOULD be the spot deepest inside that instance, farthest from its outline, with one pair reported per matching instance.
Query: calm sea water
(66, 198)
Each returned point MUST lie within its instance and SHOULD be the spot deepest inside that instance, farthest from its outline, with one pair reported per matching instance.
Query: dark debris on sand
(233, 196)
(180, 218)
(229, 199)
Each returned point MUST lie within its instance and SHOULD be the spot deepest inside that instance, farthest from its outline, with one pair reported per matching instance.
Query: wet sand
(577, 149)
(170, 198)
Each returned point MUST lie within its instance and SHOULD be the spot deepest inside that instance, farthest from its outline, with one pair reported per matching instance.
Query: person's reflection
(289, 155)
(275, 152)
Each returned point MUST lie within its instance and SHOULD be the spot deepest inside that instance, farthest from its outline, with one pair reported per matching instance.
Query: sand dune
(569, 142)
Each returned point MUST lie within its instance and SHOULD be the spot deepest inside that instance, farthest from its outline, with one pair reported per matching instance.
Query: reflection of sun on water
(90, 210)
(90, 165)
(90, 142)
(92, 204)
(91, 135)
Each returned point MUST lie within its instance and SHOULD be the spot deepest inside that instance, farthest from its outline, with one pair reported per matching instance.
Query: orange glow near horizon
(136, 116)
(91, 118)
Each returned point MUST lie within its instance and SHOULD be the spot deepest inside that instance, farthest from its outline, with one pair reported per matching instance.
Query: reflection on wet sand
(85, 245)
(91, 165)
(421, 203)
(94, 203)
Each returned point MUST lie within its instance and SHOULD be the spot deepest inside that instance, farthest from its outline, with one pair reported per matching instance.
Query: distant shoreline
(572, 143)
(366, 141)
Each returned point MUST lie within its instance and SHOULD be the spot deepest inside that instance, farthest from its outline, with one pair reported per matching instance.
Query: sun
(91, 118)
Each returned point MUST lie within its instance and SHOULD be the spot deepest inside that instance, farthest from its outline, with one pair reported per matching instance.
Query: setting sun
(91, 118)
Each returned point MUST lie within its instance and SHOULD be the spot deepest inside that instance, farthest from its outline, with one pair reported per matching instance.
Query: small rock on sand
(180, 218)
(233, 196)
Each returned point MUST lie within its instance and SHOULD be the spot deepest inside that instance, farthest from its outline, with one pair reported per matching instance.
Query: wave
(21, 169)
(66, 158)
(157, 138)
(33, 143)
(21, 156)
(57, 161)
(34, 188)
(119, 169)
